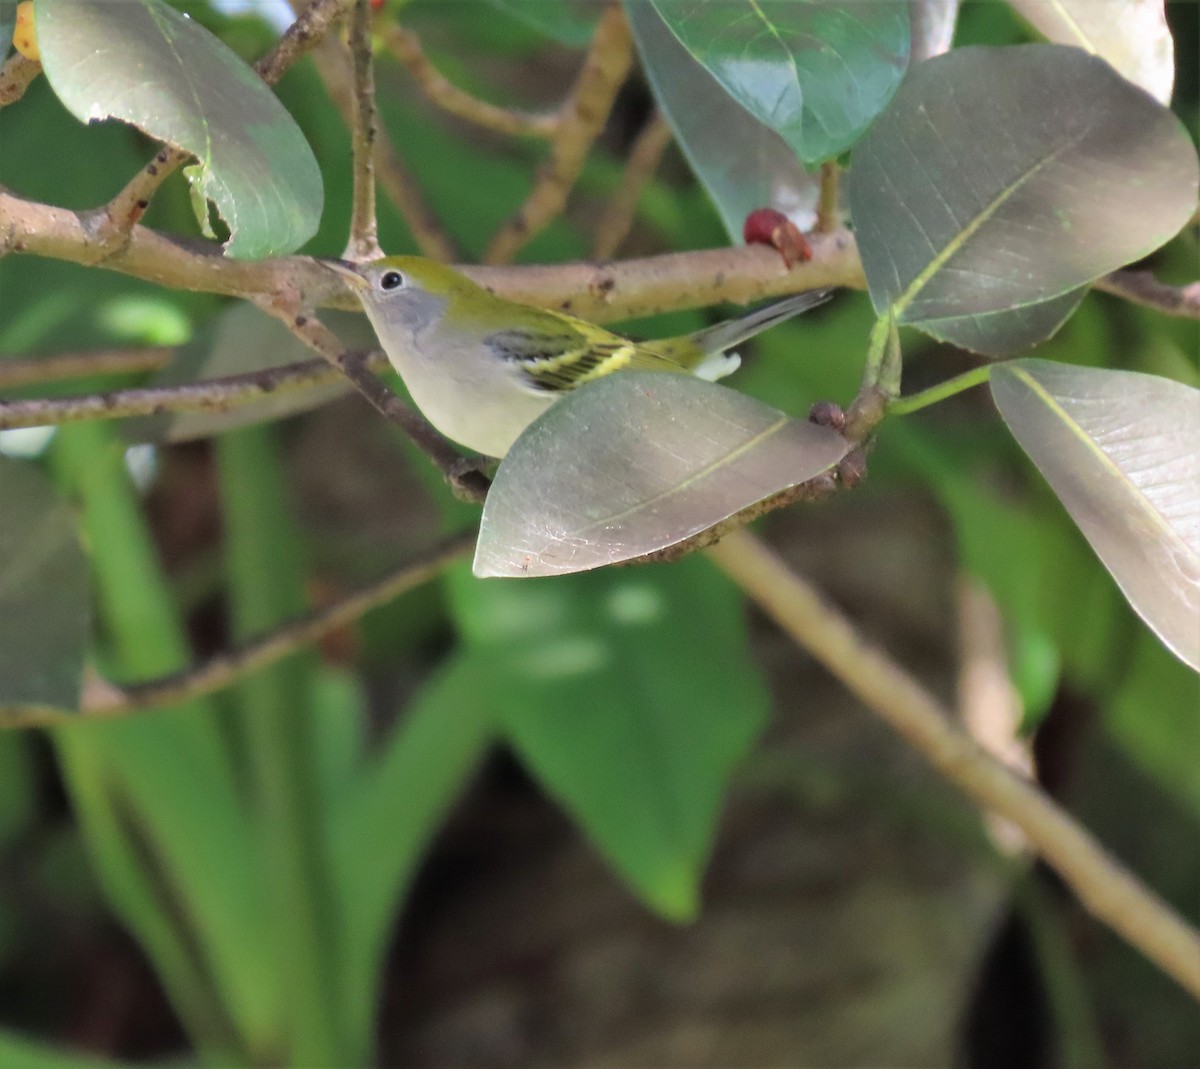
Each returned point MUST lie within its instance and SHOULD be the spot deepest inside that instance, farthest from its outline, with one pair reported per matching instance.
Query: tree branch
(464, 474)
(405, 45)
(644, 157)
(1141, 287)
(1103, 885)
(599, 292)
(15, 373)
(211, 395)
(364, 229)
(334, 67)
(105, 700)
(580, 119)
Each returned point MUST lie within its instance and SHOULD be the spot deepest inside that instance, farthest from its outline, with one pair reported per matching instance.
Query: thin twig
(211, 395)
(111, 223)
(581, 118)
(599, 292)
(1102, 884)
(105, 700)
(463, 473)
(405, 45)
(15, 373)
(643, 161)
(16, 75)
(364, 228)
(398, 182)
(1141, 287)
(828, 217)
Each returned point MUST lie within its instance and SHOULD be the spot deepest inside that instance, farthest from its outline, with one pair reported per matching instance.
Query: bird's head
(403, 291)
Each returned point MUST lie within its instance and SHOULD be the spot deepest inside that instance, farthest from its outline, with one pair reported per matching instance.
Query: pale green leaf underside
(1132, 36)
(1001, 179)
(1122, 452)
(144, 63)
(636, 462)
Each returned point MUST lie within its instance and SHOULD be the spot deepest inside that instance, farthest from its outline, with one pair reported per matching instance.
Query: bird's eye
(391, 280)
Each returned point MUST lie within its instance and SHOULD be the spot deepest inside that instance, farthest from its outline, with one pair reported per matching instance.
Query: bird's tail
(723, 336)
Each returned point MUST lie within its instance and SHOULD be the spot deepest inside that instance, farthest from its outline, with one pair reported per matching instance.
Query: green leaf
(1002, 180)
(668, 456)
(159, 796)
(17, 786)
(570, 22)
(1133, 37)
(145, 63)
(630, 695)
(44, 595)
(1122, 452)
(380, 831)
(816, 71)
(742, 163)
(267, 576)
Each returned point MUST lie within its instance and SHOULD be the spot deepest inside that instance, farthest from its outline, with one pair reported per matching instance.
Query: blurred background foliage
(362, 853)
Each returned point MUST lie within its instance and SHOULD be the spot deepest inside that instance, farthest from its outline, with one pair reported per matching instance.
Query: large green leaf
(668, 456)
(630, 696)
(145, 63)
(742, 163)
(1133, 36)
(816, 71)
(570, 22)
(8, 18)
(1002, 180)
(1122, 452)
(44, 595)
(382, 827)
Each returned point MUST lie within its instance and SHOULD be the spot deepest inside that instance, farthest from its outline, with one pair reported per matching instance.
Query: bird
(481, 368)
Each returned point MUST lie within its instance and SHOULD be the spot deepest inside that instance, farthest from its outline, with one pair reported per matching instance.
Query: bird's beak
(349, 272)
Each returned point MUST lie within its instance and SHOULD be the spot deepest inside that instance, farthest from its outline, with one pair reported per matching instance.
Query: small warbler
(482, 368)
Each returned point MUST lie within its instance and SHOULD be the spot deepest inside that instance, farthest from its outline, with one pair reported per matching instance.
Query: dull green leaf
(147, 64)
(815, 71)
(630, 695)
(1003, 180)
(634, 463)
(742, 164)
(44, 595)
(1122, 452)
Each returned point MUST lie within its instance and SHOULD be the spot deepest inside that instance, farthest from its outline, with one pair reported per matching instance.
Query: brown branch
(1141, 287)
(643, 161)
(1103, 885)
(111, 223)
(16, 76)
(599, 292)
(581, 118)
(405, 45)
(105, 700)
(464, 474)
(211, 395)
(364, 228)
(828, 215)
(15, 373)
(398, 182)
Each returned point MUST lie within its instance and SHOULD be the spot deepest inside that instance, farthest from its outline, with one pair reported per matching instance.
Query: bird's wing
(559, 360)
